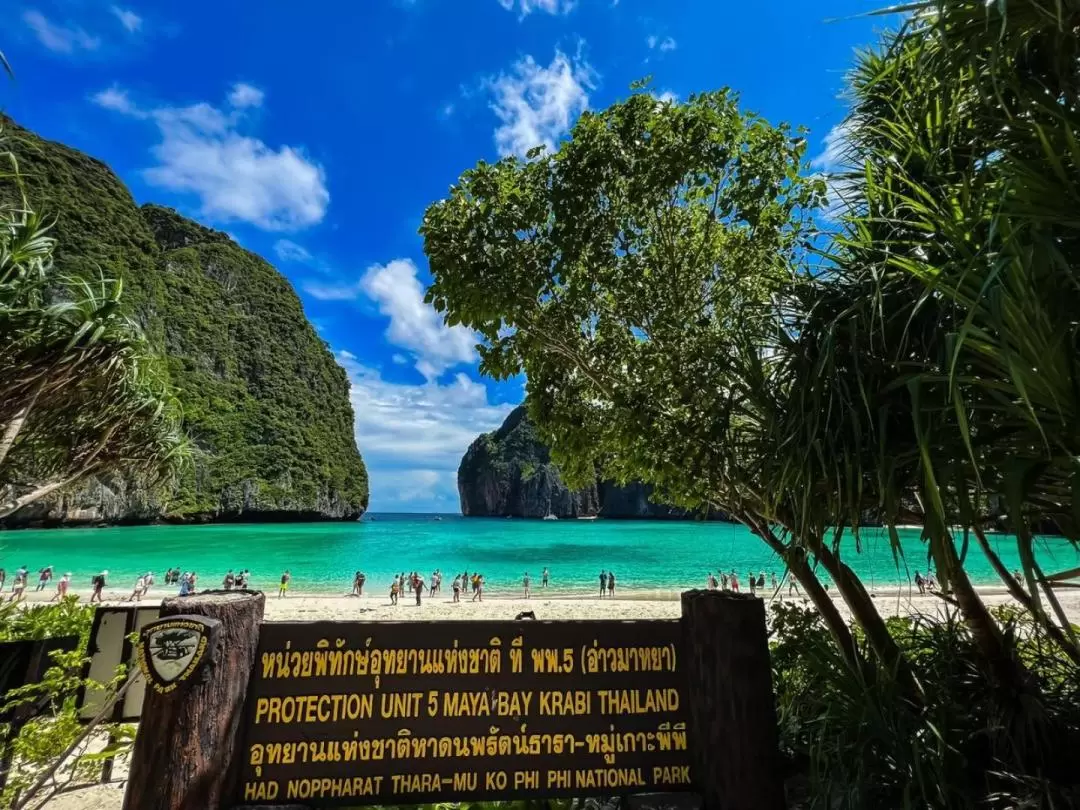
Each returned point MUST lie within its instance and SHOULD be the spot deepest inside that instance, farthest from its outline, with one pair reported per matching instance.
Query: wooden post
(187, 738)
(732, 717)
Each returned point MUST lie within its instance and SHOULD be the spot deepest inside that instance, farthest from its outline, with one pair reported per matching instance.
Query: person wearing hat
(99, 585)
(62, 587)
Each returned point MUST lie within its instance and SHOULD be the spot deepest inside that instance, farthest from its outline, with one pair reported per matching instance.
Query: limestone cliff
(510, 472)
(265, 404)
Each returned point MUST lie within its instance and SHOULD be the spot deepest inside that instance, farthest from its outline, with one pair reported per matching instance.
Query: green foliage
(937, 358)
(52, 734)
(860, 743)
(264, 403)
(69, 357)
(36, 622)
(512, 450)
(263, 399)
(618, 273)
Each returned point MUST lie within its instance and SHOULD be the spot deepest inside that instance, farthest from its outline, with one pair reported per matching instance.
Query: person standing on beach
(611, 584)
(603, 583)
(753, 583)
(18, 590)
(710, 582)
(98, 583)
(723, 581)
(137, 589)
(920, 583)
(793, 585)
(434, 583)
(478, 588)
(394, 590)
(62, 587)
(229, 581)
(772, 580)
(284, 585)
(3, 576)
(544, 578)
(418, 586)
(44, 575)
(456, 586)
(734, 581)
(525, 582)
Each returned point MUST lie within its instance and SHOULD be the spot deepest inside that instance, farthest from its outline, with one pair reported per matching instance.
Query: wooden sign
(403, 713)
(173, 650)
(108, 647)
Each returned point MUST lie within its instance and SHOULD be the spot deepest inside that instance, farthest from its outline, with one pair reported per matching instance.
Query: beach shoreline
(299, 605)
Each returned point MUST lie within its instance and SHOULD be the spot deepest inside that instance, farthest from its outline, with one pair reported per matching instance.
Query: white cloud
(236, 177)
(832, 157)
(833, 165)
(131, 21)
(245, 95)
(527, 7)
(400, 359)
(288, 251)
(115, 98)
(59, 38)
(323, 291)
(537, 105)
(412, 437)
(414, 325)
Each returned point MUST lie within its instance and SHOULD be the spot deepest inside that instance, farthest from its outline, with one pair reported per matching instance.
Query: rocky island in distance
(509, 473)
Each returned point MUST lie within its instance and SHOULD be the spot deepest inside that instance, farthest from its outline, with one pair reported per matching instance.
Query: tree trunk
(12, 428)
(89, 465)
(1009, 672)
(867, 617)
(732, 723)
(187, 738)
(15, 504)
(798, 567)
(1020, 595)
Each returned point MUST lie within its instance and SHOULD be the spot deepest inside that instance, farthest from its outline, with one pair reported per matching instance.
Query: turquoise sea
(645, 555)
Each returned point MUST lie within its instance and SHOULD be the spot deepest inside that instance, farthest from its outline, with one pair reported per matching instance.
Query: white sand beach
(300, 606)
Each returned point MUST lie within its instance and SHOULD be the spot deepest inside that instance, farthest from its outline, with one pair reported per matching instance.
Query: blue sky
(317, 134)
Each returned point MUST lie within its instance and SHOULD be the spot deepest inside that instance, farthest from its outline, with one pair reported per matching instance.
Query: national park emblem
(172, 650)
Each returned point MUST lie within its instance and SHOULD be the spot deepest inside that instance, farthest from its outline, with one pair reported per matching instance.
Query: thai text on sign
(399, 713)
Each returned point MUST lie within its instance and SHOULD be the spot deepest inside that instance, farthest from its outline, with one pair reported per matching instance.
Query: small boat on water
(550, 517)
(587, 517)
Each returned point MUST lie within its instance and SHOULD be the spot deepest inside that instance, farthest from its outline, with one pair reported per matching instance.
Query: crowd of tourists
(414, 584)
(729, 581)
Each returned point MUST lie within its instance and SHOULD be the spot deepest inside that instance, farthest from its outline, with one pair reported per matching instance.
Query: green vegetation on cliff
(510, 472)
(265, 404)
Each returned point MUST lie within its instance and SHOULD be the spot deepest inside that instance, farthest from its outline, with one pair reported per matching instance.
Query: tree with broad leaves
(646, 278)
